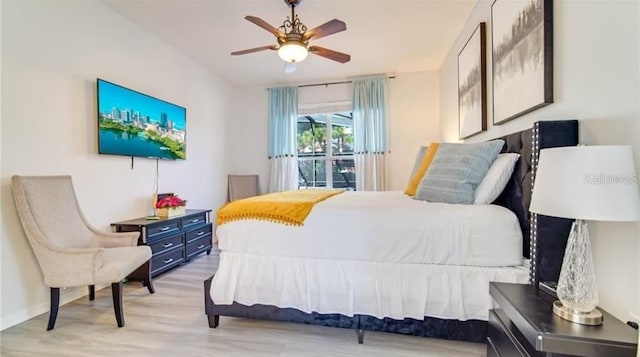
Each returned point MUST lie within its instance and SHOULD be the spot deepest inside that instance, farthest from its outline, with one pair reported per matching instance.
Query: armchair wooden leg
(146, 280)
(92, 292)
(116, 291)
(53, 313)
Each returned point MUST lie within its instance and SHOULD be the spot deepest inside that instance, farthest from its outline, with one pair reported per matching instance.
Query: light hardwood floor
(172, 322)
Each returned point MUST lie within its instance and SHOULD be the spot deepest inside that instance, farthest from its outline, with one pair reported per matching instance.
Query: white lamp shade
(587, 182)
(293, 52)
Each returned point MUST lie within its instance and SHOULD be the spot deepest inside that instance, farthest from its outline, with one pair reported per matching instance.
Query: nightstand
(523, 324)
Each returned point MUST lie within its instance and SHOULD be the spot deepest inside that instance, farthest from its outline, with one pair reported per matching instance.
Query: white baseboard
(66, 296)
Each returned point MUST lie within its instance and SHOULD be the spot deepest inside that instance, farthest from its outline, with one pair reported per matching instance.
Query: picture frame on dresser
(472, 84)
(521, 57)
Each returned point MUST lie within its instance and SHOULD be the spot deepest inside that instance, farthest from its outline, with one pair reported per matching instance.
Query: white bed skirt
(395, 290)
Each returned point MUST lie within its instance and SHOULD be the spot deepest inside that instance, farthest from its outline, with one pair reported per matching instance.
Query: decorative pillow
(496, 179)
(456, 171)
(424, 166)
(418, 161)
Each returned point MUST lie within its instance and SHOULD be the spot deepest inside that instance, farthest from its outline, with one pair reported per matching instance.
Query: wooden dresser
(174, 240)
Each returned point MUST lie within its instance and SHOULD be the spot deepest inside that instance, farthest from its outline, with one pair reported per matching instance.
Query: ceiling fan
(293, 39)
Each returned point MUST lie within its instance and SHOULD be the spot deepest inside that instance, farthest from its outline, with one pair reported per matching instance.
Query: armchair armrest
(120, 239)
(69, 267)
(113, 239)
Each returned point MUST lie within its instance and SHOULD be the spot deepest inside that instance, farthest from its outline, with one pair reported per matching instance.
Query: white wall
(52, 53)
(597, 80)
(246, 135)
(413, 122)
(414, 113)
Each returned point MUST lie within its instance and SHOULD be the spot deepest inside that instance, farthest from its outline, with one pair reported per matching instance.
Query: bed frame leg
(360, 331)
(214, 320)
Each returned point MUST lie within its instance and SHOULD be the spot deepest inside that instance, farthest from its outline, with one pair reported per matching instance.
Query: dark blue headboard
(544, 238)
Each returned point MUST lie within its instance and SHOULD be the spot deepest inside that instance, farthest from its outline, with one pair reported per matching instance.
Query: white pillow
(496, 179)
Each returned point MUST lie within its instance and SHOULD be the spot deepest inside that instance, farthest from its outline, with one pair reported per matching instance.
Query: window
(322, 165)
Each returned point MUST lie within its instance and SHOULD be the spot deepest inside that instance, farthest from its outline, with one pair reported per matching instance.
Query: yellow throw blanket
(289, 207)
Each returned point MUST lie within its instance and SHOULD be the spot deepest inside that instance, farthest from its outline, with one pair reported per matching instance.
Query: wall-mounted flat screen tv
(131, 123)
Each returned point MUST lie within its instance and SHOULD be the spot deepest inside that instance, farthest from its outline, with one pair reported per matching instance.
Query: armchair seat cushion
(117, 263)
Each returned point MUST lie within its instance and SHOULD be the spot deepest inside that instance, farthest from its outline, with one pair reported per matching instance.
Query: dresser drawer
(161, 229)
(193, 221)
(491, 349)
(198, 246)
(166, 261)
(165, 244)
(198, 233)
(502, 338)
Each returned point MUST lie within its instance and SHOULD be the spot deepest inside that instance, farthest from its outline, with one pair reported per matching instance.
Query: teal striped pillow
(456, 171)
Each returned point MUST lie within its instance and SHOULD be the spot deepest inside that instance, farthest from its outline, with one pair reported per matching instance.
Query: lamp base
(591, 318)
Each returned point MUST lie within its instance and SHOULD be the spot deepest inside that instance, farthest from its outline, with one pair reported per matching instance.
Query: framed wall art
(521, 57)
(472, 85)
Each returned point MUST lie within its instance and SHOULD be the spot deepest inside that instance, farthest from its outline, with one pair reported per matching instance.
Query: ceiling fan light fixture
(293, 52)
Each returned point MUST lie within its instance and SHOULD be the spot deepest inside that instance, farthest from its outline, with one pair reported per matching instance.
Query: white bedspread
(387, 227)
(381, 254)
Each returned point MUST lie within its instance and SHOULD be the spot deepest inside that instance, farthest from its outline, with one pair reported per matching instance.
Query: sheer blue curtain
(371, 133)
(283, 117)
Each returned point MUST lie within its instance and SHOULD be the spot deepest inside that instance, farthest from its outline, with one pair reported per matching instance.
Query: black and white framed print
(472, 85)
(521, 56)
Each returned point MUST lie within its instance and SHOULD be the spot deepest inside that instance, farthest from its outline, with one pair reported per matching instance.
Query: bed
(386, 276)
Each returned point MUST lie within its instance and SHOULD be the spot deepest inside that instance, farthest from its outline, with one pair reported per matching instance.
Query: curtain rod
(330, 83)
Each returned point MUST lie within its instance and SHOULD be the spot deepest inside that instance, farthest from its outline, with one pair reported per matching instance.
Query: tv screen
(131, 123)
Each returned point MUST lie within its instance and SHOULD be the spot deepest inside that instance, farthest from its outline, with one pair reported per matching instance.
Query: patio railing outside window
(322, 165)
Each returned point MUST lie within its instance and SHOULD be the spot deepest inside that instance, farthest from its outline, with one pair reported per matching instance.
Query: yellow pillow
(422, 169)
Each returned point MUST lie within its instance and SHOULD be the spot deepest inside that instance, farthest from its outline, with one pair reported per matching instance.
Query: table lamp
(584, 183)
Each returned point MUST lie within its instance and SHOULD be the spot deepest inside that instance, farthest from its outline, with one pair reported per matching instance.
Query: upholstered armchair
(242, 186)
(68, 249)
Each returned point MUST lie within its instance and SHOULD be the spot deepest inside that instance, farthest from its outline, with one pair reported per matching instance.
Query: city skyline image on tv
(131, 123)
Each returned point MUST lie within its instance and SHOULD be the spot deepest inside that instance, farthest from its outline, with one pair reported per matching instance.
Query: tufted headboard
(544, 238)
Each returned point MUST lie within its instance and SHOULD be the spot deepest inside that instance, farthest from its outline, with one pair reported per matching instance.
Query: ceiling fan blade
(257, 49)
(330, 54)
(265, 25)
(289, 67)
(326, 29)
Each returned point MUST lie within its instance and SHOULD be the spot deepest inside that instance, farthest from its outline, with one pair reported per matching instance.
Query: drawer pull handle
(201, 246)
(164, 229)
(195, 220)
(200, 233)
(167, 245)
(167, 261)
